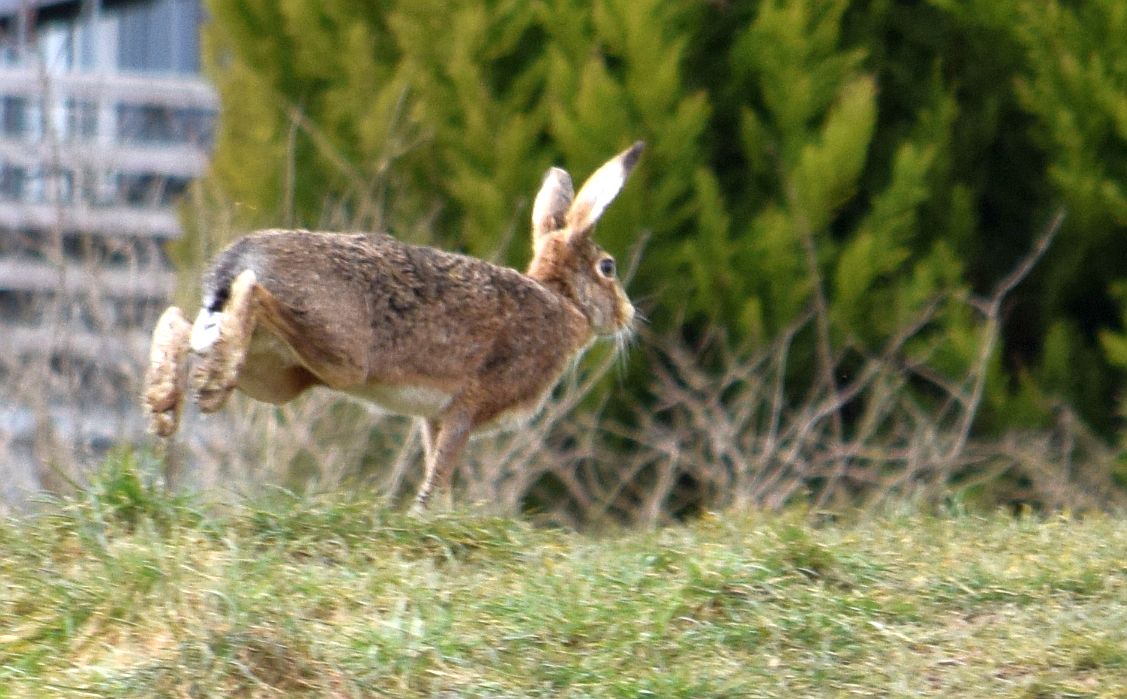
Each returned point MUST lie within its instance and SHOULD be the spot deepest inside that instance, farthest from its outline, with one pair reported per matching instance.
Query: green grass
(128, 592)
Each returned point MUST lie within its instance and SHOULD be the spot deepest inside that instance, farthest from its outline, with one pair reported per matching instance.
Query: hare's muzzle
(627, 321)
(624, 314)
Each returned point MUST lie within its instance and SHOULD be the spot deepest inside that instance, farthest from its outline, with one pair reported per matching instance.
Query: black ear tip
(631, 156)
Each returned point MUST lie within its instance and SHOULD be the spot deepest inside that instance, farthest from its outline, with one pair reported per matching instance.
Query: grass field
(128, 592)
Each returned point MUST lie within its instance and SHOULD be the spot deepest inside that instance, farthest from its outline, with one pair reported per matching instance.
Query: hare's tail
(224, 270)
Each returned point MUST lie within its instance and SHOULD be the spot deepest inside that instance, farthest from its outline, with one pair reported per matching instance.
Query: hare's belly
(422, 401)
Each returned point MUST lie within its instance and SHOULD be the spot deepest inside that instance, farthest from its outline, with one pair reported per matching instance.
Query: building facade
(104, 122)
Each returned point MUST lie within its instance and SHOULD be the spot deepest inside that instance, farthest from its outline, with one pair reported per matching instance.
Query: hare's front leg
(221, 339)
(443, 440)
(430, 438)
(166, 374)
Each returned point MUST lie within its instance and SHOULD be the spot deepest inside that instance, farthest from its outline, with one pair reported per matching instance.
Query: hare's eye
(606, 267)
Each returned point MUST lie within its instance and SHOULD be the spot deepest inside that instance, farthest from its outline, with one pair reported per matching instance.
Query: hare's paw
(216, 369)
(214, 376)
(221, 339)
(211, 395)
(164, 378)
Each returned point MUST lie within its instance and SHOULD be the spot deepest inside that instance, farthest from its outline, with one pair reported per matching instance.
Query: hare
(463, 344)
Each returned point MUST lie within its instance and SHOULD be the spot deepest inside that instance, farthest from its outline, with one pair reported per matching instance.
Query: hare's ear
(552, 202)
(600, 189)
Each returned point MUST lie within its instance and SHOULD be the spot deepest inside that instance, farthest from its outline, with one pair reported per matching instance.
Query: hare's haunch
(459, 342)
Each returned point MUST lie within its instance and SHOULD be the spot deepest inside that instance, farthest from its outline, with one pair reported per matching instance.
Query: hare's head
(565, 255)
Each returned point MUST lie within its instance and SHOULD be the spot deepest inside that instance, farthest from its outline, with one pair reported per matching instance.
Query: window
(161, 36)
(13, 121)
(81, 118)
(148, 190)
(11, 182)
(149, 123)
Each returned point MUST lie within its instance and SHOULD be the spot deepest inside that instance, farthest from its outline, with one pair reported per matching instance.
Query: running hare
(457, 341)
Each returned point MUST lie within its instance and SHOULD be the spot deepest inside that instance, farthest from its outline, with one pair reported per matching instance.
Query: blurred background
(881, 244)
(104, 121)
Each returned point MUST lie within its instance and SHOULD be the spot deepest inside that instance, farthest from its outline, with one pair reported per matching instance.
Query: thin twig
(992, 328)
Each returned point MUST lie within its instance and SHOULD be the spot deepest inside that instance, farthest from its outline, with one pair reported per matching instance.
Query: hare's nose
(626, 314)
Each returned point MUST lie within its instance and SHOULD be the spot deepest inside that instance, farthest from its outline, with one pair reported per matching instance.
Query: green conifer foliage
(473, 79)
(807, 116)
(1075, 83)
(309, 93)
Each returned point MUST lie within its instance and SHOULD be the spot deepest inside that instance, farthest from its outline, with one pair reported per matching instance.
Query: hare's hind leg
(167, 371)
(221, 339)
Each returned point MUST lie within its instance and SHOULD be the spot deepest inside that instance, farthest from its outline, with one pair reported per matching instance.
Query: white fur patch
(552, 201)
(205, 331)
(600, 190)
(404, 399)
(602, 187)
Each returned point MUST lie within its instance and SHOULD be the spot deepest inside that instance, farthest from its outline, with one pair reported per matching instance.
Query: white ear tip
(558, 180)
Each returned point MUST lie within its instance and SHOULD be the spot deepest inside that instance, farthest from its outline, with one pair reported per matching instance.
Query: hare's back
(394, 295)
(303, 268)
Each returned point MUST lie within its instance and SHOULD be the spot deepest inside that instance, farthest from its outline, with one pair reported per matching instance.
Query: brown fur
(462, 343)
